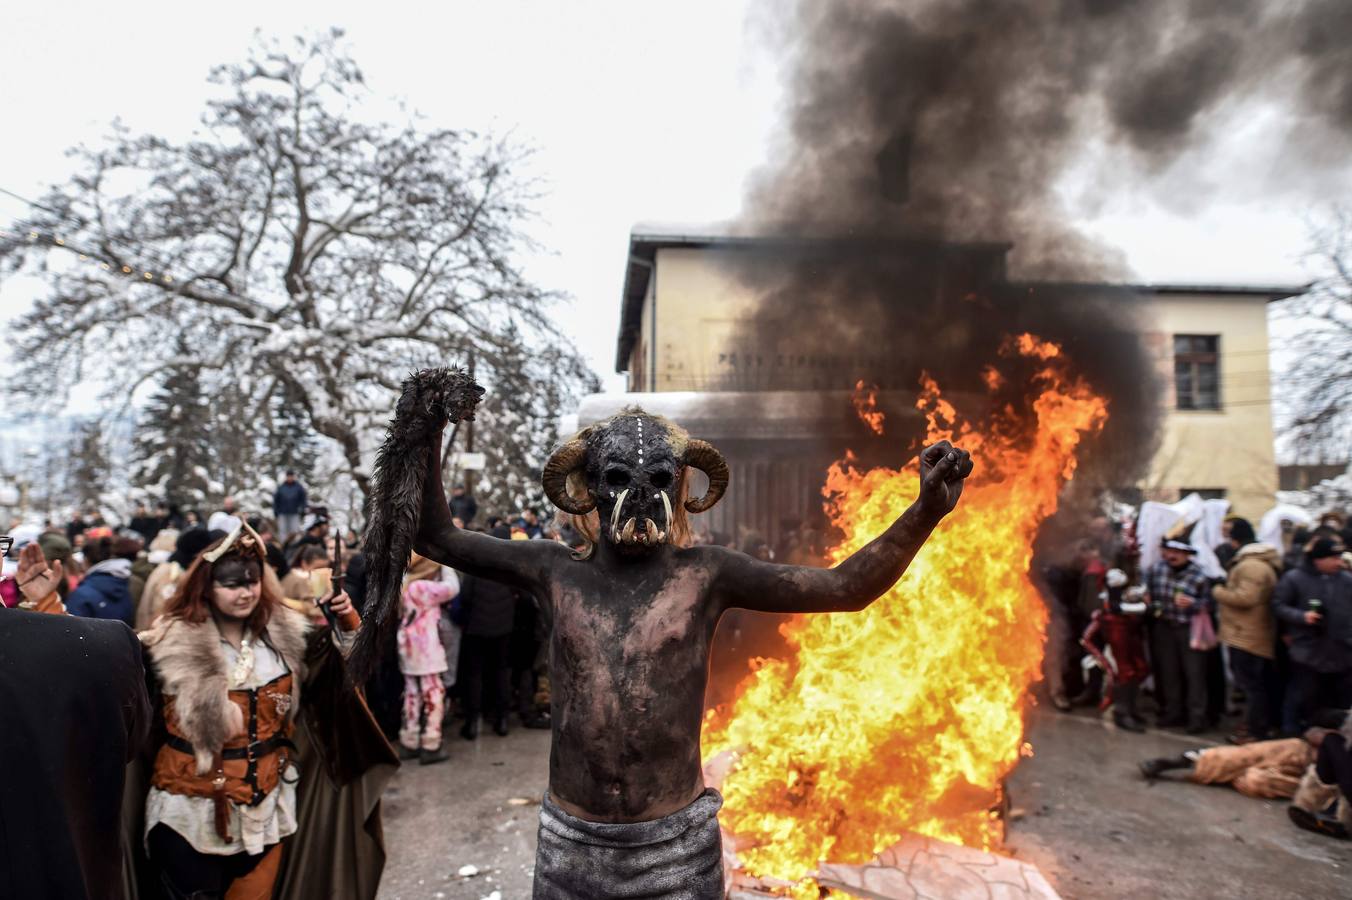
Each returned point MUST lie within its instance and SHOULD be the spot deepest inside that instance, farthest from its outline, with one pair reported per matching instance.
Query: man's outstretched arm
(748, 583)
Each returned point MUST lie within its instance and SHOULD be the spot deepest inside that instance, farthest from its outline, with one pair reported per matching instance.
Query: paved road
(1098, 830)
(1086, 818)
(441, 818)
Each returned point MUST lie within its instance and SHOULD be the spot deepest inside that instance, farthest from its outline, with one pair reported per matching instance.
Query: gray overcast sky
(640, 112)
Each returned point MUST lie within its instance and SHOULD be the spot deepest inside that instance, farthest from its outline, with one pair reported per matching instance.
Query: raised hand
(943, 469)
(36, 579)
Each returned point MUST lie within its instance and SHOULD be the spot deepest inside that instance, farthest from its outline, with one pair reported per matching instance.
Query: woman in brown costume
(229, 661)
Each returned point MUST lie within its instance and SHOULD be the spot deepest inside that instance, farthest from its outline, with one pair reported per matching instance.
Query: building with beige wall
(686, 303)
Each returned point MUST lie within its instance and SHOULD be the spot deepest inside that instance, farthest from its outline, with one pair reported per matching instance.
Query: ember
(906, 717)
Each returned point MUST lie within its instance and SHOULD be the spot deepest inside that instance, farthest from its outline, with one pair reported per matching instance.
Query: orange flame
(907, 717)
(865, 401)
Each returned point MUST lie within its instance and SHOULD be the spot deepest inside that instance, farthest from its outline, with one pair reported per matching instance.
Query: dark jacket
(74, 711)
(104, 594)
(464, 508)
(1326, 647)
(147, 526)
(355, 583)
(289, 499)
(489, 607)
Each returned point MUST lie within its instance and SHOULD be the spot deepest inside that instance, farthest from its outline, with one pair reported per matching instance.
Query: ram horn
(703, 456)
(566, 460)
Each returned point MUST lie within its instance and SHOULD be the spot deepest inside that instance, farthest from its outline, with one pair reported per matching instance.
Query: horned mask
(631, 470)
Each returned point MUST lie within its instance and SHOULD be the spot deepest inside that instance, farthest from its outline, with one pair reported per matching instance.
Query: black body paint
(633, 622)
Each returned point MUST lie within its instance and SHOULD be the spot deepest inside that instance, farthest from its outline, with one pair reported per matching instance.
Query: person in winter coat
(1178, 591)
(1314, 605)
(1249, 629)
(73, 712)
(422, 659)
(1263, 769)
(105, 592)
(463, 505)
(289, 502)
(488, 609)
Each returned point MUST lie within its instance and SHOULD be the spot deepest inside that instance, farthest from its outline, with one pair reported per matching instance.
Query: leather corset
(258, 759)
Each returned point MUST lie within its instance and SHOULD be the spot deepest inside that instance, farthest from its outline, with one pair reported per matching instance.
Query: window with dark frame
(1197, 364)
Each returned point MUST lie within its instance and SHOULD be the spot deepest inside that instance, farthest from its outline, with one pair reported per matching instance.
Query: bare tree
(296, 249)
(1317, 389)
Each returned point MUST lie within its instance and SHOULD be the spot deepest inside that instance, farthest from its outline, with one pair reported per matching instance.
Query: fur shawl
(190, 664)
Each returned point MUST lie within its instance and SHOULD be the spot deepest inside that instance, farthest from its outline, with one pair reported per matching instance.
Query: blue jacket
(105, 593)
(289, 499)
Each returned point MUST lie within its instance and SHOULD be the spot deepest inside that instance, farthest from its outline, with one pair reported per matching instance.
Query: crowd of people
(1266, 649)
(267, 582)
(476, 642)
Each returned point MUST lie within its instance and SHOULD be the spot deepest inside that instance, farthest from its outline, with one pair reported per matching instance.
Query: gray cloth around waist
(676, 857)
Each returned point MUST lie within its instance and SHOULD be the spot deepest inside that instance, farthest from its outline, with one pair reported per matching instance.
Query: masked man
(627, 813)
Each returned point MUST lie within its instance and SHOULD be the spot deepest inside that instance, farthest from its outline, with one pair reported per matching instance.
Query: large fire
(906, 717)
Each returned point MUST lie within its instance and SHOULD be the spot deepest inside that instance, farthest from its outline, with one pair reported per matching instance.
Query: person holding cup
(1314, 605)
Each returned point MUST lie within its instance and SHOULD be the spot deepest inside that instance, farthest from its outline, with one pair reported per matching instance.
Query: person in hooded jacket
(1314, 605)
(1248, 628)
(105, 592)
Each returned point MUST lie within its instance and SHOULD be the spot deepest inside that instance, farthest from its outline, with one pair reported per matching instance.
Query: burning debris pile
(918, 219)
(906, 717)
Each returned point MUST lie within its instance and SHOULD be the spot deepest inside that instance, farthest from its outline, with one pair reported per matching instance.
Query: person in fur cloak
(1314, 770)
(627, 813)
(257, 746)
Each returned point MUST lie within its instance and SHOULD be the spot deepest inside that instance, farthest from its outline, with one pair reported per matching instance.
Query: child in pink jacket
(422, 659)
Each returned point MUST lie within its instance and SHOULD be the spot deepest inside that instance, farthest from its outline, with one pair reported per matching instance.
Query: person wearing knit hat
(1314, 604)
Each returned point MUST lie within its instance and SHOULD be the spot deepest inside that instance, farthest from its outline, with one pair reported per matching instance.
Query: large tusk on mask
(666, 504)
(627, 536)
(615, 516)
(651, 528)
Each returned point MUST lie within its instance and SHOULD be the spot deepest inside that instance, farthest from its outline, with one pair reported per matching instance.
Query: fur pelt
(191, 667)
(429, 400)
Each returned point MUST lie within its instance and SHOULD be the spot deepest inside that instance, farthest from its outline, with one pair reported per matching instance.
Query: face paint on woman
(236, 587)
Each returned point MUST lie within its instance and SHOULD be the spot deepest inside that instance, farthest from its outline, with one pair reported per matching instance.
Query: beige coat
(1245, 600)
(160, 586)
(1269, 769)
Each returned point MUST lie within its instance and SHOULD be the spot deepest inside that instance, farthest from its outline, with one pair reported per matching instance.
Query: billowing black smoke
(915, 186)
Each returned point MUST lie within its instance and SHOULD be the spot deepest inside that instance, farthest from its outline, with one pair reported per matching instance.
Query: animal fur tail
(429, 400)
